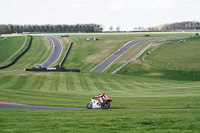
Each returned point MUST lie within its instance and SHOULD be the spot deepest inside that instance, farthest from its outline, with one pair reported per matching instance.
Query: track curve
(57, 50)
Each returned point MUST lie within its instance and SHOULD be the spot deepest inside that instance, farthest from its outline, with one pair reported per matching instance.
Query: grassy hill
(70, 86)
(9, 48)
(178, 61)
(140, 85)
(40, 50)
(85, 55)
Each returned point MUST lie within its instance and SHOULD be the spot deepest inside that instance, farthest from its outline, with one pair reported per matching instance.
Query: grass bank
(76, 89)
(40, 50)
(9, 48)
(41, 121)
(176, 61)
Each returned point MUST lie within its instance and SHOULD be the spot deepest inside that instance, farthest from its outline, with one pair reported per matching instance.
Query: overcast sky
(124, 13)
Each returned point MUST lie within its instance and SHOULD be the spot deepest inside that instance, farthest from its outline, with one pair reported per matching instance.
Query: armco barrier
(60, 69)
(13, 62)
(61, 64)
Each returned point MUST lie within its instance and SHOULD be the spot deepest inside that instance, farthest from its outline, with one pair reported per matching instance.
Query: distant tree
(7, 29)
(118, 29)
(97, 29)
(2, 31)
(111, 28)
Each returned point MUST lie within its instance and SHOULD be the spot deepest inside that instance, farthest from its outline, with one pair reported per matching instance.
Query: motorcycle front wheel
(105, 105)
(89, 105)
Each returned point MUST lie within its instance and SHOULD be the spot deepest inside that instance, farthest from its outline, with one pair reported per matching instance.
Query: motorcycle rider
(102, 96)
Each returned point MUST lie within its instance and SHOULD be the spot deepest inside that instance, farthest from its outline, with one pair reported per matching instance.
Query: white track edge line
(60, 52)
(119, 56)
(110, 56)
(51, 52)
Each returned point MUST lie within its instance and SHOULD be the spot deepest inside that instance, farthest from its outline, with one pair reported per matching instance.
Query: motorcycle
(97, 104)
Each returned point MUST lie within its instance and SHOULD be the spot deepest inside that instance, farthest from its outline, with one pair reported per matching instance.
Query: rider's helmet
(101, 94)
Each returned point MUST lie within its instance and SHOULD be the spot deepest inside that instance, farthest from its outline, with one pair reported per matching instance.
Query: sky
(126, 14)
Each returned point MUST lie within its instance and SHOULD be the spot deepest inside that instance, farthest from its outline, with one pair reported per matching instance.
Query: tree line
(179, 26)
(9, 29)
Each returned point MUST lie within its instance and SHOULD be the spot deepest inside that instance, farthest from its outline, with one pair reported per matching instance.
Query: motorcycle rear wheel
(105, 105)
(89, 106)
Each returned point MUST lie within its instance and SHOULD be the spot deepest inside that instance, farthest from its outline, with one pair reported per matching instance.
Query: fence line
(167, 66)
(172, 67)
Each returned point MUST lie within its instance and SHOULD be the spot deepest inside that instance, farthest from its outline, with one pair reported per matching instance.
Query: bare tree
(111, 28)
(118, 29)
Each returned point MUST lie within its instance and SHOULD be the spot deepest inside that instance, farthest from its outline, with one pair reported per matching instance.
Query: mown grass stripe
(76, 82)
(119, 86)
(30, 82)
(99, 85)
(62, 85)
(69, 82)
(11, 83)
(91, 84)
(83, 82)
(20, 82)
(39, 82)
(5, 80)
(47, 84)
(126, 84)
(105, 85)
(55, 81)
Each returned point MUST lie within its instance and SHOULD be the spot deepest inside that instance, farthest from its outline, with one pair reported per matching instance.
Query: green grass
(138, 86)
(10, 46)
(85, 55)
(76, 89)
(37, 54)
(180, 55)
(169, 61)
(114, 121)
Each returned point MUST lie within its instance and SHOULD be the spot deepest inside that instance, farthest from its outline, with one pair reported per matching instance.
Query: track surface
(55, 53)
(20, 106)
(107, 62)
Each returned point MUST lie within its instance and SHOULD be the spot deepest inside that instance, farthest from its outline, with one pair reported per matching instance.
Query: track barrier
(60, 69)
(61, 64)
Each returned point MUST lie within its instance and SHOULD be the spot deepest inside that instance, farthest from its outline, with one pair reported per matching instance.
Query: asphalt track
(57, 50)
(107, 62)
(20, 106)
